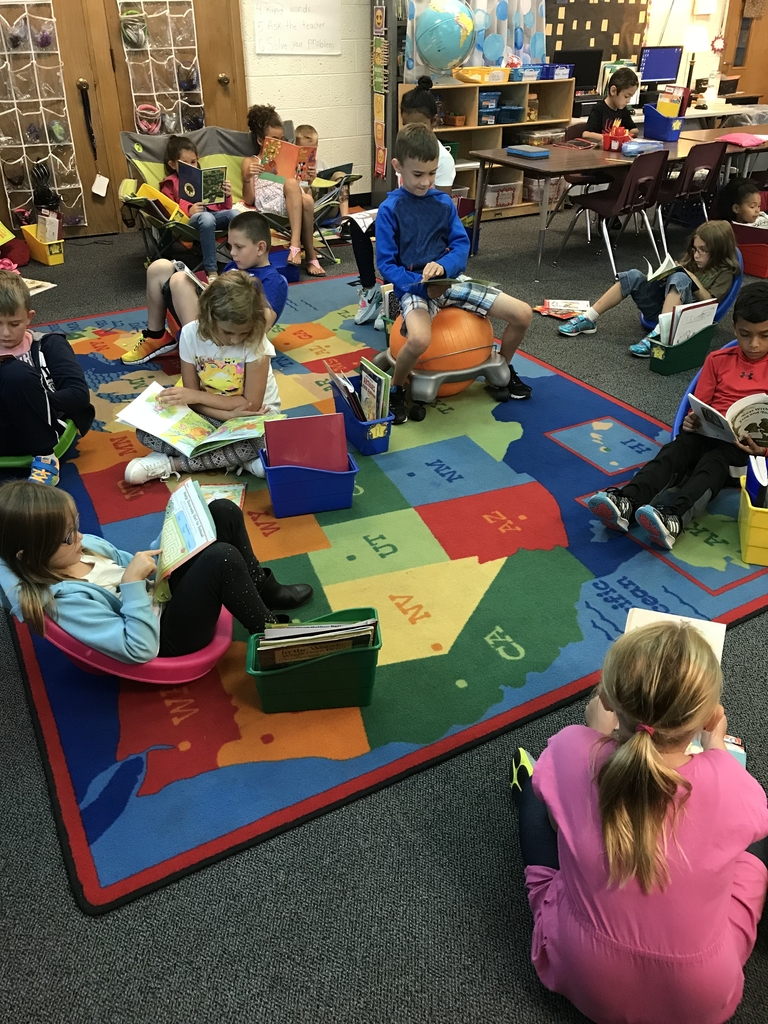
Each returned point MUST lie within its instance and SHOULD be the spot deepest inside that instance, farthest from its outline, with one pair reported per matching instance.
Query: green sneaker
(520, 769)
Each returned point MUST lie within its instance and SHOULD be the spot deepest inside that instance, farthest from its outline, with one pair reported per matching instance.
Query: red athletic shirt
(727, 375)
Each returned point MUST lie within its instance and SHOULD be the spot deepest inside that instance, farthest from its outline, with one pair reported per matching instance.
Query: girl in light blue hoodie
(103, 596)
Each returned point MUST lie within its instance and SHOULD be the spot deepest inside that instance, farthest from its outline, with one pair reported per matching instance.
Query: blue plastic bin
(527, 73)
(370, 438)
(487, 116)
(558, 71)
(279, 260)
(300, 491)
(511, 115)
(659, 127)
(489, 100)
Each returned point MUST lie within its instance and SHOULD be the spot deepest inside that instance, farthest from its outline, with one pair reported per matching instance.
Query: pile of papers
(285, 645)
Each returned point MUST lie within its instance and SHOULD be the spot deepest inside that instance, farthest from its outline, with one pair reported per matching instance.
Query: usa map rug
(498, 594)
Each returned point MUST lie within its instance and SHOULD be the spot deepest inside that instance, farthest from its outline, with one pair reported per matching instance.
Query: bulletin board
(297, 27)
(618, 29)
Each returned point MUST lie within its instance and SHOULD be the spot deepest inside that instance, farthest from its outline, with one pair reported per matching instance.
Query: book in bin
(314, 442)
(286, 645)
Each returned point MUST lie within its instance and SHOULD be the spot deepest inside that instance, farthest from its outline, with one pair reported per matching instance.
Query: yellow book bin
(753, 530)
(50, 253)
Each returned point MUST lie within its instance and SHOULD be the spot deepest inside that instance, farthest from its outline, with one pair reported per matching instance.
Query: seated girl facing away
(206, 219)
(226, 372)
(286, 199)
(645, 866)
(741, 202)
(706, 271)
(103, 596)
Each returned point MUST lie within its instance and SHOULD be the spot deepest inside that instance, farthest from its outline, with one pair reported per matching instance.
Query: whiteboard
(296, 27)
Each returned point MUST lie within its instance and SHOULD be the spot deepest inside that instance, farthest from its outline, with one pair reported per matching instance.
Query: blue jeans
(206, 224)
(649, 296)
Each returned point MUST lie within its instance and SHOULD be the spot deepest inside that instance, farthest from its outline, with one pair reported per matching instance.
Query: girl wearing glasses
(706, 271)
(103, 596)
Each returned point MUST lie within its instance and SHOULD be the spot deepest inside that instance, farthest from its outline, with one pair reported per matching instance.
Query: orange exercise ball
(460, 340)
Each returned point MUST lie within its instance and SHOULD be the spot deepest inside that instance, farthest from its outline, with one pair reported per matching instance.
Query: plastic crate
(540, 137)
(657, 126)
(511, 115)
(486, 117)
(49, 253)
(527, 73)
(300, 491)
(556, 71)
(371, 437)
(753, 530)
(341, 680)
(452, 147)
(667, 359)
(533, 190)
(755, 258)
(480, 75)
(489, 100)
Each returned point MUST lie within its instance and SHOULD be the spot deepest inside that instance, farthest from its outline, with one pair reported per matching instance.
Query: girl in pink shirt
(645, 866)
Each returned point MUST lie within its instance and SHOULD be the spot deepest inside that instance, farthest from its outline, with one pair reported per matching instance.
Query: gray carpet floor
(406, 906)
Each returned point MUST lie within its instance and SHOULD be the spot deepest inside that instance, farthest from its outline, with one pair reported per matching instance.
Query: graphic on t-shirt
(222, 376)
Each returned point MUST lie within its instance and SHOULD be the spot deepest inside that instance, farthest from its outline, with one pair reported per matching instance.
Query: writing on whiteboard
(295, 27)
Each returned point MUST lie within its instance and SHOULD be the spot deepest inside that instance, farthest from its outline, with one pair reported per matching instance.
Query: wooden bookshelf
(555, 99)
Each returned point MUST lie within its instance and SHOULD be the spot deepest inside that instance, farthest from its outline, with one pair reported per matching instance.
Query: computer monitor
(586, 66)
(659, 63)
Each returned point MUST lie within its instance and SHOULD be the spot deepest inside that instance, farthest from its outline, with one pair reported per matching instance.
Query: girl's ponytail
(420, 100)
(663, 681)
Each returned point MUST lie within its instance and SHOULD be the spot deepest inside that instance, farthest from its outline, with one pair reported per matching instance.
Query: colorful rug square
(498, 595)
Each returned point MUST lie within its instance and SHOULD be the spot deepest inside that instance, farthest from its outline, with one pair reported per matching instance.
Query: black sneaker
(662, 525)
(520, 769)
(612, 509)
(516, 387)
(397, 404)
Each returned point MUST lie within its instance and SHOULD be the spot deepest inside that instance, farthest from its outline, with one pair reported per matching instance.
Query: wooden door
(746, 41)
(218, 51)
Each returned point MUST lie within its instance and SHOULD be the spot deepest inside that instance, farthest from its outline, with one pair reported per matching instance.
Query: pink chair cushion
(162, 671)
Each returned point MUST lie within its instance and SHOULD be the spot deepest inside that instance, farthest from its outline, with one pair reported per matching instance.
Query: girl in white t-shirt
(225, 371)
(417, 106)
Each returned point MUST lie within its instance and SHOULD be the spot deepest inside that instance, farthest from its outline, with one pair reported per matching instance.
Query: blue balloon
(502, 9)
(529, 19)
(482, 20)
(409, 63)
(542, 11)
(538, 45)
(411, 10)
(493, 48)
(408, 47)
(515, 18)
(519, 39)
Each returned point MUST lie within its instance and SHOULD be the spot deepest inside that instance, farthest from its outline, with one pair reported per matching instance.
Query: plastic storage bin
(370, 438)
(511, 115)
(755, 258)
(657, 126)
(527, 73)
(667, 359)
(753, 530)
(506, 193)
(533, 190)
(485, 117)
(540, 137)
(341, 680)
(489, 100)
(557, 71)
(452, 147)
(299, 490)
(50, 253)
(480, 75)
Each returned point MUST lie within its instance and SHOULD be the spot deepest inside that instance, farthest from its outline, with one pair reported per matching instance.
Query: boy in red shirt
(727, 375)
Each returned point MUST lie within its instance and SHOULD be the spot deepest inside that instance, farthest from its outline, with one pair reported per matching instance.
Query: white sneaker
(256, 468)
(149, 467)
(370, 304)
(380, 325)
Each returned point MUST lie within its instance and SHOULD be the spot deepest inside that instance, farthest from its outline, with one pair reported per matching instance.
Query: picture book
(670, 100)
(563, 309)
(286, 645)
(756, 483)
(185, 430)
(747, 416)
(463, 279)
(669, 266)
(188, 527)
(690, 319)
(231, 492)
(347, 391)
(285, 160)
(202, 184)
(184, 269)
(374, 390)
(315, 442)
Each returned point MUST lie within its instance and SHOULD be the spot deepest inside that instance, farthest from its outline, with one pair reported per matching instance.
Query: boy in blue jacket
(419, 239)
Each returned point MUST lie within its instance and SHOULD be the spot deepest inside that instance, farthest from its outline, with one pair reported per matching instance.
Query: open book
(285, 160)
(747, 416)
(669, 266)
(178, 265)
(188, 527)
(185, 430)
(563, 309)
(202, 184)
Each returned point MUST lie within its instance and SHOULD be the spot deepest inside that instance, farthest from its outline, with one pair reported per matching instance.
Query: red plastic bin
(755, 259)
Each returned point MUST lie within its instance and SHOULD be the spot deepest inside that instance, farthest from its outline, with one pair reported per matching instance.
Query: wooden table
(560, 161)
(713, 134)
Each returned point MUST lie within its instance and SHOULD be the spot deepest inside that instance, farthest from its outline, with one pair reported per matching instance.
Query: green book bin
(667, 359)
(340, 680)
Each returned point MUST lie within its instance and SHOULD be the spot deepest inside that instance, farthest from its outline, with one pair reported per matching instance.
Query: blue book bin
(659, 127)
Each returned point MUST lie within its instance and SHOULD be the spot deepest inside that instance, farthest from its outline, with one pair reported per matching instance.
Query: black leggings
(225, 573)
(538, 840)
(362, 247)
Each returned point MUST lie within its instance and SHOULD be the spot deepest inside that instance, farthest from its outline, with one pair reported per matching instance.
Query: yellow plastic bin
(50, 253)
(753, 530)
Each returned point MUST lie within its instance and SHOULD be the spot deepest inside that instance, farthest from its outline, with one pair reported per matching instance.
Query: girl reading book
(285, 199)
(207, 220)
(225, 372)
(645, 865)
(103, 596)
(706, 271)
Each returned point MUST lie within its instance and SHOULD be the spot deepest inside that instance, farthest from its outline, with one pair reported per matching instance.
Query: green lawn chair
(65, 442)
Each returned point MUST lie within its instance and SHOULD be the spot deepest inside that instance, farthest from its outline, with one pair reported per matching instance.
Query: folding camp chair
(324, 206)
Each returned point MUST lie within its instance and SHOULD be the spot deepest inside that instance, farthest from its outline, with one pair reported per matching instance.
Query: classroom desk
(560, 161)
(713, 134)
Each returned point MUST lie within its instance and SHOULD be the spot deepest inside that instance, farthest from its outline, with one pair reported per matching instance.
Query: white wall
(679, 20)
(331, 93)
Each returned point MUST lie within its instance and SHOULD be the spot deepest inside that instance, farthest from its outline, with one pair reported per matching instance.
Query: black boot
(279, 597)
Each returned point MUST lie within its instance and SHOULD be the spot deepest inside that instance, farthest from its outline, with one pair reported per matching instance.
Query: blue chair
(723, 307)
(684, 407)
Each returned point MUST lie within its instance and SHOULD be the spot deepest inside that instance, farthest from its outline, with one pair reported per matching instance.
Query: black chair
(638, 194)
(584, 179)
(698, 180)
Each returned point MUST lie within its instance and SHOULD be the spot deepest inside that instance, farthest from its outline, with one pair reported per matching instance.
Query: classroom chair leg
(569, 229)
(607, 239)
(649, 229)
(662, 232)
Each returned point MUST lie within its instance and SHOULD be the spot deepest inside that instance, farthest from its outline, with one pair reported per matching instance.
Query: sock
(591, 314)
(154, 334)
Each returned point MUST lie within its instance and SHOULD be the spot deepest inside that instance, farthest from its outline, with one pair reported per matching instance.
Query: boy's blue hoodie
(127, 630)
(412, 231)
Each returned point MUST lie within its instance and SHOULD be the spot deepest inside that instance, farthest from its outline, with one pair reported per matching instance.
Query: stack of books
(372, 401)
(285, 645)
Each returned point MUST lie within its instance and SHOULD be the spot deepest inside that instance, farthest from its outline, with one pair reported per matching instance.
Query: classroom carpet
(498, 595)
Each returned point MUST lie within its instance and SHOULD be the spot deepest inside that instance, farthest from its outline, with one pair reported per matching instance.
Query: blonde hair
(34, 520)
(666, 677)
(14, 294)
(234, 298)
(306, 132)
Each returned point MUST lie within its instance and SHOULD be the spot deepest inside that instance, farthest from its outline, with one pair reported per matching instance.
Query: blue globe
(445, 34)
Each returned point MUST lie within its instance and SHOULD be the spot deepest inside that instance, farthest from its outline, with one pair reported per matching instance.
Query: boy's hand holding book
(749, 445)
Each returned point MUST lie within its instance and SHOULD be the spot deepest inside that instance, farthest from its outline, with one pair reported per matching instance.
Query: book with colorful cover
(185, 430)
(229, 492)
(563, 309)
(188, 527)
(285, 160)
(202, 184)
(374, 390)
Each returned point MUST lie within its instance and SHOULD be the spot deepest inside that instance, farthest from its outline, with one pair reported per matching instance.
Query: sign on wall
(298, 27)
